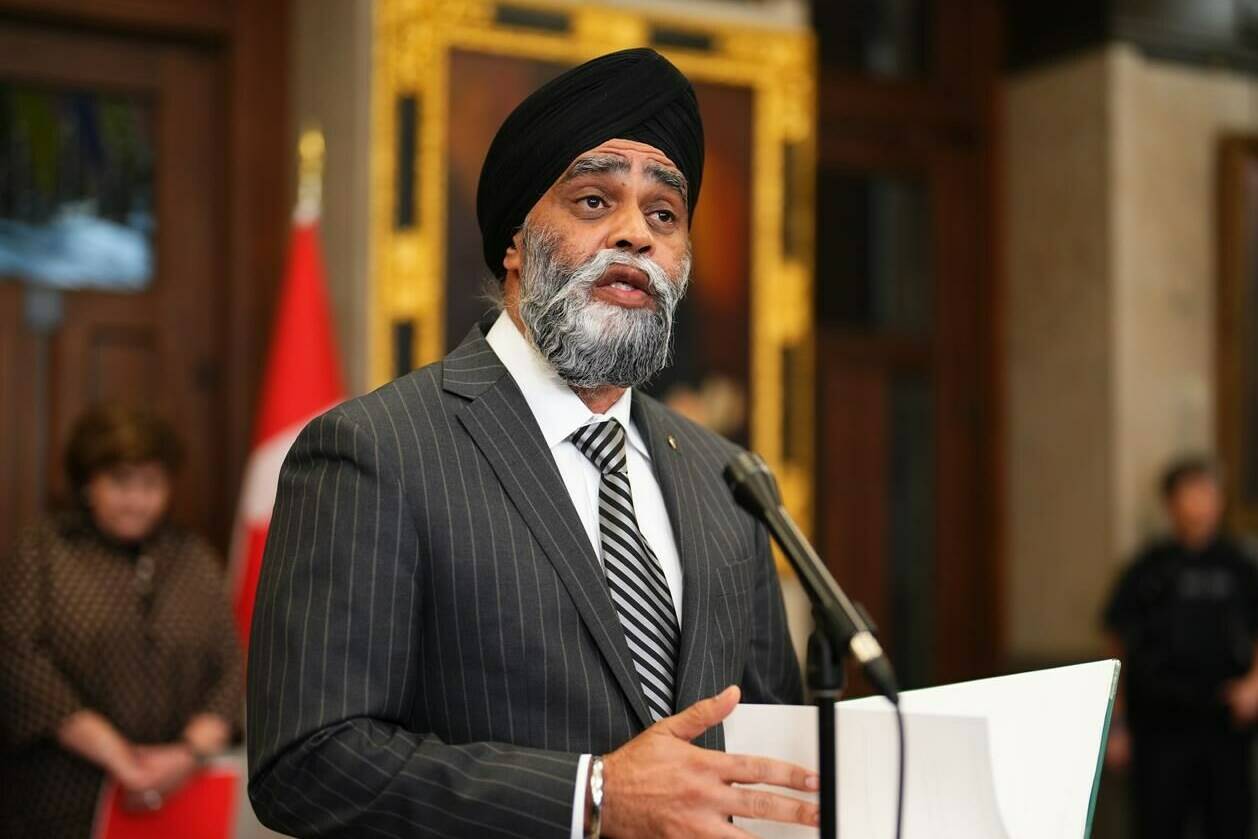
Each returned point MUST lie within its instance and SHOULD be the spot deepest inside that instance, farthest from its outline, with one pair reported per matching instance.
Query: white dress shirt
(560, 412)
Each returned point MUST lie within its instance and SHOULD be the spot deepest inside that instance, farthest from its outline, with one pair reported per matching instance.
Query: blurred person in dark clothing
(1184, 619)
(118, 656)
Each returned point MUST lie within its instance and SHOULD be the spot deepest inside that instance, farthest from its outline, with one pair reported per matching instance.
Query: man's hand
(1241, 696)
(658, 784)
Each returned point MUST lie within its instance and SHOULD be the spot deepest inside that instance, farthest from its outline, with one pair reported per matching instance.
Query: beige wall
(1110, 213)
(1060, 329)
(1167, 126)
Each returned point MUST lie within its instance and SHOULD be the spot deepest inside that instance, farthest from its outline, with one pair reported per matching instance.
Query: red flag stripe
(302, 373)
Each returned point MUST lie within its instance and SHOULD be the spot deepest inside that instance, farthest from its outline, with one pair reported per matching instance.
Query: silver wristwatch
(595, 827)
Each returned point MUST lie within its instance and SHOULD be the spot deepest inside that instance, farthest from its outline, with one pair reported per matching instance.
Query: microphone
(756, 490)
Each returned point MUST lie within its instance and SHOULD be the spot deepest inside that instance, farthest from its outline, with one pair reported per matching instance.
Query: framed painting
(1236, 350)
(447, 74)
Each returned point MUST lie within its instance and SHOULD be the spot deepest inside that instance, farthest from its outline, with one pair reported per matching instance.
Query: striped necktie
(634, 576)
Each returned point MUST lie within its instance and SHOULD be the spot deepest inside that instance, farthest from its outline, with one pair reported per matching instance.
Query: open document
(1015, 757)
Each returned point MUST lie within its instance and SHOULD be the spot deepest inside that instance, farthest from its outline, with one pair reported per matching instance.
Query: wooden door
(901, 440)
(908, 438)
(161, 345)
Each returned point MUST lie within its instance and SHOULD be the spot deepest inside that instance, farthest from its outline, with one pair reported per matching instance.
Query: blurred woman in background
(118, 656)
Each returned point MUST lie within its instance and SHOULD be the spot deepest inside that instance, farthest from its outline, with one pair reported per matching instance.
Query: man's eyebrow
(668, 177)
(596, 164)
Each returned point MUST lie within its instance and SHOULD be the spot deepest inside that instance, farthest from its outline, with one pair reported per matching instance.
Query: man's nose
(631, 233)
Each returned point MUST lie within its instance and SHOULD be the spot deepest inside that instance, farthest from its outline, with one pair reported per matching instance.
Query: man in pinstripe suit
(491, 585)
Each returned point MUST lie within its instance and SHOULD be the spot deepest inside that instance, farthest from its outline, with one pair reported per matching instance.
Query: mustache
(659, 285)
(567, 280)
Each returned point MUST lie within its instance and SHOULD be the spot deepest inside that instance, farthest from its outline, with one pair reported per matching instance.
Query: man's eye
(593, 202)
(666, 216)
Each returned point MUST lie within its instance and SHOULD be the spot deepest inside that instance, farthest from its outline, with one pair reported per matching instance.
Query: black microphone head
(752, 483)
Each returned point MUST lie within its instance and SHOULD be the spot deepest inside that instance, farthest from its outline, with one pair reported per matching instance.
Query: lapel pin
(672, 442)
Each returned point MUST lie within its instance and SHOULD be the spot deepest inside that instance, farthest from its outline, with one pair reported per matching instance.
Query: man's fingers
(749, 769)
(702, 715)
(768, 806)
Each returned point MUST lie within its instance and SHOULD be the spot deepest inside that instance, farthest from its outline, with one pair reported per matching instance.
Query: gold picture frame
(415, 41)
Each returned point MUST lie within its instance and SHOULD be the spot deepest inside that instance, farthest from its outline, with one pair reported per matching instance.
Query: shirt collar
(558, 410)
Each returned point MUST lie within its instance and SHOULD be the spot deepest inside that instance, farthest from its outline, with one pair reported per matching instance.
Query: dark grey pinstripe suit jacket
(433, 644)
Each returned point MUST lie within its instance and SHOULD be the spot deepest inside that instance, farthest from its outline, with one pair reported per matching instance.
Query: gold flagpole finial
(310, 152)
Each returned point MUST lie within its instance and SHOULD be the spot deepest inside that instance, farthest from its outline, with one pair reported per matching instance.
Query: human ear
(511, 259)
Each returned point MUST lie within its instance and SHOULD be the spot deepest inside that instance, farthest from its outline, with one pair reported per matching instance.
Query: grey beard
(592, 344)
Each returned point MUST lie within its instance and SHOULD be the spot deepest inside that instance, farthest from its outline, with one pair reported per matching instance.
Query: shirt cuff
(578, 797)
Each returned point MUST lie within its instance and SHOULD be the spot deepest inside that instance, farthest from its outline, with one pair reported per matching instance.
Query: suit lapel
(675, 473)
(499, 421)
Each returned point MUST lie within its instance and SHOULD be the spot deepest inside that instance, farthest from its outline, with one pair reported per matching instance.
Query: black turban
(628, 95)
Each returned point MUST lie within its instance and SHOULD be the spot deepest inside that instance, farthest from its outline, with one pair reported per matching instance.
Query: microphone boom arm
(756, 490)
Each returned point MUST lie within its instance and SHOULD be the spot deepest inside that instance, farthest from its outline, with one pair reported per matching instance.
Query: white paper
(957, 803)
(1014, 757)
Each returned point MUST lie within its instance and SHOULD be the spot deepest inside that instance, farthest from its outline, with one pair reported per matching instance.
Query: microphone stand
(840, 625)
(839, 628)
(827, 678)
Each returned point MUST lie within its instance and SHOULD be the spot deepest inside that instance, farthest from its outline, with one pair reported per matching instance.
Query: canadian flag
(302, 380)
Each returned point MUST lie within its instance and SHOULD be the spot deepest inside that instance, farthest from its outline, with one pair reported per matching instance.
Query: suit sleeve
(771, 674)
(333, 684)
